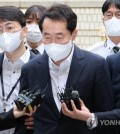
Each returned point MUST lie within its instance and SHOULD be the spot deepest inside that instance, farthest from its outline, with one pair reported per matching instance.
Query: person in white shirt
(13, 30)
(34, 36)
(111, 20)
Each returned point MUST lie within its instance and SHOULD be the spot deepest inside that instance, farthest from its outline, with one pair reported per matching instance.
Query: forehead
(33, 16)
(7, 22)
(113, 8)
(54, 26)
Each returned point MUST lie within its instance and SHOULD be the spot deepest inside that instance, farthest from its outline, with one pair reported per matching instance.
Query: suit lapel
(76, 68)
(46, 82)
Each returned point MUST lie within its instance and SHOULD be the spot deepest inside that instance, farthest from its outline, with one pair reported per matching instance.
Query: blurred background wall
(90, 26)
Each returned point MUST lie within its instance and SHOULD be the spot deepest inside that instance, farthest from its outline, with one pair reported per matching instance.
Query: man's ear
(25, 29)
(74, 34)
(24, 32)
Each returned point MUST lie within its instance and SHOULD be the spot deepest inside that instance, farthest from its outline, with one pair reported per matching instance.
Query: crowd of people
(39, 53)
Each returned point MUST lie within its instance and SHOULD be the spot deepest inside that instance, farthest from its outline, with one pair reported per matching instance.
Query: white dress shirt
(11, 73)
(103, 48)
(59, 75)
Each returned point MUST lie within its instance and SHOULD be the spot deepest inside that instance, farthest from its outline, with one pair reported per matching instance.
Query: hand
(82, 114)
(29, 121)
(17, 113)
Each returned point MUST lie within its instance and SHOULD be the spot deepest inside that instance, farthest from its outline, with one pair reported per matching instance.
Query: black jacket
(88, 74)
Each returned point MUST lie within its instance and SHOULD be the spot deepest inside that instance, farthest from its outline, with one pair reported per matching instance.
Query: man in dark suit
(12, 33)
(114, 115)
(114, 67)
(65, 65)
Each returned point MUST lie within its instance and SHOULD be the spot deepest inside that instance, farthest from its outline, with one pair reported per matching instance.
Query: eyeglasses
(109, 15)
(59, 39)
(8, 28)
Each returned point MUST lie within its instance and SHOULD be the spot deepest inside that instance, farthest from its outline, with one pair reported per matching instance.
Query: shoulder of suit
(92, 57)
(114, 57)
(96, 46)
(34, 60)
(88, 54)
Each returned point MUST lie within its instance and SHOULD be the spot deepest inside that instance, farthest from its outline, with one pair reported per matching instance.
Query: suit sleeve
(103, 93)
(7, 120)
(109, 118)
(109, 115)
(103, 88)
(114, 67)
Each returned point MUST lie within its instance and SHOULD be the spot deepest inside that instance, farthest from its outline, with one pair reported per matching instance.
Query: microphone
(29, 98)
(69, 94)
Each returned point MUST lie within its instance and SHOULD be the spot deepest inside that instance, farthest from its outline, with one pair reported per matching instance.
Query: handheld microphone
(29, 98)
(70, 94)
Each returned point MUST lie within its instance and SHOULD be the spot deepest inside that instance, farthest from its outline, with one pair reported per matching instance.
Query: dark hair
(34, 9)
(60, 12)
(12, 13)
(108, 3)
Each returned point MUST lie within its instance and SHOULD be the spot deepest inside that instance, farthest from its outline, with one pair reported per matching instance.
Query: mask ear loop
(105, 44)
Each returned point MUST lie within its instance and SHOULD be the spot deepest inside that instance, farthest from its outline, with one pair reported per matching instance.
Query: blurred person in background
(13, 31)
(111, 21)
(34, 36)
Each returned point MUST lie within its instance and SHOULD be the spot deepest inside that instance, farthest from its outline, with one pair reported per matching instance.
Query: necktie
(35, 51)
(116, 49)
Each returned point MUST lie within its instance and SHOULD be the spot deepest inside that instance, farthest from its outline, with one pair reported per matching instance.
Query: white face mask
(10, 41)
(34, 34)
(58, 52)
(113, 26)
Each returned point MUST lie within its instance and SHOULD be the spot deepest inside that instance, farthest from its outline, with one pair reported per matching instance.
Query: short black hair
(12, 13)
(34, 9)
(60, 12)
(108, 3)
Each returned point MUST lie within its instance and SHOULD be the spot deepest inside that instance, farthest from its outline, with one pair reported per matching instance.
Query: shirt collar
(24, 58)
(40, 48)
(111, 44)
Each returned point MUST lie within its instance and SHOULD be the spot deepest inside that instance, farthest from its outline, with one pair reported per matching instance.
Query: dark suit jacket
(114, 67)
(88, 74)
(7, 119)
